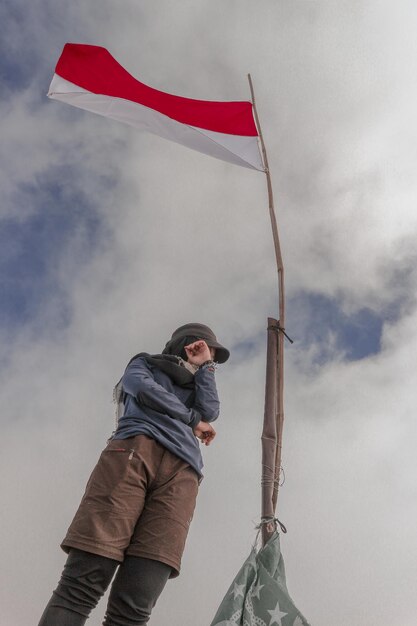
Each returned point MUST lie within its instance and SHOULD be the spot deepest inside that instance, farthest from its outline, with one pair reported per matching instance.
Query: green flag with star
(258, 595)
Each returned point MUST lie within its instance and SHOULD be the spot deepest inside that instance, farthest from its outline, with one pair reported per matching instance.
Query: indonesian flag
(90, 78)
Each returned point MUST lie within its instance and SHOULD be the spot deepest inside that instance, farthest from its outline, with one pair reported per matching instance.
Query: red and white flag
(90, 78)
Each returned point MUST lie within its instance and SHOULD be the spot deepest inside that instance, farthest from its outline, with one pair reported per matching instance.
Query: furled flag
(90, 78)
(258, 596)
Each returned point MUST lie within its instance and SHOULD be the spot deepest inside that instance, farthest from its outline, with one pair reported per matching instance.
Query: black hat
(200, 331)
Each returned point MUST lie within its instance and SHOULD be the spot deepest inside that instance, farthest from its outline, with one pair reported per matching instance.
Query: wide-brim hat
(201, 331)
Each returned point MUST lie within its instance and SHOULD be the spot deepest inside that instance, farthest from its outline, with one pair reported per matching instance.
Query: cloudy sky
(110, 239)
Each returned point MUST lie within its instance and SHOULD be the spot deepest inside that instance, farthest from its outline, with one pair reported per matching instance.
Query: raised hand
(198, 352)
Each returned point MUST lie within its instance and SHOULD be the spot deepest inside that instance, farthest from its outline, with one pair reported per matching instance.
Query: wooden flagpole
(274, 384)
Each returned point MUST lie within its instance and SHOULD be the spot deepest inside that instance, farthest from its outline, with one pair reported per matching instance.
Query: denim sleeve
(138, 381)
(206, 398)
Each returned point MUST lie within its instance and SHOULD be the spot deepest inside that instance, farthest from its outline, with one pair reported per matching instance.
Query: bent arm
(206, 398)
(138, 381)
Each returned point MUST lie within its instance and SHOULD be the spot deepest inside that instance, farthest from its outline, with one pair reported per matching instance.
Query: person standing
(135, 514)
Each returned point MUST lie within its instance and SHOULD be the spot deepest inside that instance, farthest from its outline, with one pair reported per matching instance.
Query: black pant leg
(135, 590)
(84, 580)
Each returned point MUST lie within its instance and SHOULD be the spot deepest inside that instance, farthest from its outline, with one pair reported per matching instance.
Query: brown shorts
(139, 500)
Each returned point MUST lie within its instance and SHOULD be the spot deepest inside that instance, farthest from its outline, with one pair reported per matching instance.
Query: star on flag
(238, 591)
(276, 615)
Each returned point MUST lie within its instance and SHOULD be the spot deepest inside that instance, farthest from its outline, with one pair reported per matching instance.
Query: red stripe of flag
(94, 69)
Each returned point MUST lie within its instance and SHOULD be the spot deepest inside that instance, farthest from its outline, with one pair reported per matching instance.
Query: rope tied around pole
(275, 482)
(274, 521)
(270, 523)
(281, 329)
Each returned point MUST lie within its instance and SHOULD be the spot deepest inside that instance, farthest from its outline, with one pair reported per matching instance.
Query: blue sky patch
(19, 54)
(60, 221)
(320, 320)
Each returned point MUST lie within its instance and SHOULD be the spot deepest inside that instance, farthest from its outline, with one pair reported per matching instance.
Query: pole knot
(278, 328)
(271, 523)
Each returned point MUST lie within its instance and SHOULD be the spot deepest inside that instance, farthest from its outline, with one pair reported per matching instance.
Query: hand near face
(198, 352)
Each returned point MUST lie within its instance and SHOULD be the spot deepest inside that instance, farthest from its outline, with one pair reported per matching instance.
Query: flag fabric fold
(90, 78)
(258, 596)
